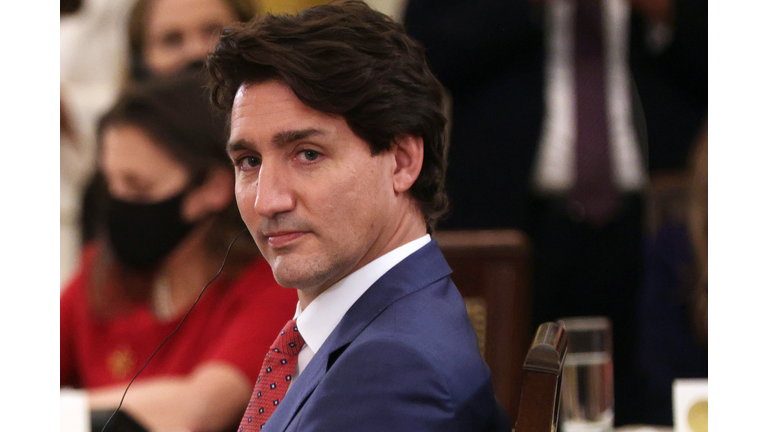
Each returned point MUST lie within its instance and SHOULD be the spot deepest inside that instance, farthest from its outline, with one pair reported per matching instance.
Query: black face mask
(143, 234)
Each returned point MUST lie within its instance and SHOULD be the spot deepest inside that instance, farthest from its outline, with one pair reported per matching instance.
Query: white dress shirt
(325, 312)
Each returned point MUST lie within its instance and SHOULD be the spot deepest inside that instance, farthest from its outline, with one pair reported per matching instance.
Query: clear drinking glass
(587, 382)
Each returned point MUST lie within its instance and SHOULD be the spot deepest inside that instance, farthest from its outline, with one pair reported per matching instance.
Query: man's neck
(407, 229)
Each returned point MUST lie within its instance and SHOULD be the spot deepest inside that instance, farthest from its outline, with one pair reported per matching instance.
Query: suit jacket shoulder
(404, 357)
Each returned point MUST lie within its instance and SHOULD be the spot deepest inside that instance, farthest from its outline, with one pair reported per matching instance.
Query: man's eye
(310, 155)
(248, 162)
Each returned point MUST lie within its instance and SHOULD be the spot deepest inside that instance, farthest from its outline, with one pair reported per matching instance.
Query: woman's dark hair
(177, 114)
(346, 59)
(244, 10)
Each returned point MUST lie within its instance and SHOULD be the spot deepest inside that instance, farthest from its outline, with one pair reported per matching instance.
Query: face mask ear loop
(174, 330)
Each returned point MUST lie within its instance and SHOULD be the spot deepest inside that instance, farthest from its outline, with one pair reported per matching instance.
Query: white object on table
(75, 415)
(689, 405)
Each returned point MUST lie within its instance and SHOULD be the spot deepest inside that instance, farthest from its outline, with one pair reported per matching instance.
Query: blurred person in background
(560, 111)
(70, 172)
(105, 45)
(166, 36)
(75, 161)
(674, 299)
(169, 217)
(92, 65)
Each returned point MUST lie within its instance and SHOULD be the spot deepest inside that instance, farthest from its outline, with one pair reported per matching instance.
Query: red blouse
(234, 322)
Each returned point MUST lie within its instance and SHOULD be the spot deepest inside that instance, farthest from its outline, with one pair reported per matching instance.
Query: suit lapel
(418, 270)
(302, 388)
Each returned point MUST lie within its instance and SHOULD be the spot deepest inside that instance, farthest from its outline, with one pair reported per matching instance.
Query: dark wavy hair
(176, 112)
(346, 59)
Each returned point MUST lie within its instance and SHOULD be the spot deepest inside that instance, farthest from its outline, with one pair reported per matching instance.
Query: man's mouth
(281, 239)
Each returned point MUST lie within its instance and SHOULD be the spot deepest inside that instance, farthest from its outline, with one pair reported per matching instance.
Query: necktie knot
(289, 341)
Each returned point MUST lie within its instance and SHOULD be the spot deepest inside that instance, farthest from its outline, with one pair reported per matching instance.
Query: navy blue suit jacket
(403, 358)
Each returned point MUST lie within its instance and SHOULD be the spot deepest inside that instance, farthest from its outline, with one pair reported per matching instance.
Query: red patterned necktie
(274, 378)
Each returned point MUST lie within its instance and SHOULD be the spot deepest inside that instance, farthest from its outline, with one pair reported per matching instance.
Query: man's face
(314, 198)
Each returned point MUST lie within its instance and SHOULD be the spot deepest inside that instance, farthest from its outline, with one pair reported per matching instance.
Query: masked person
(164, 38)
(169, 217)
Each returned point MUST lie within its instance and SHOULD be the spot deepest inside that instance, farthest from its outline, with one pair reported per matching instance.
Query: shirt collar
(324, 313)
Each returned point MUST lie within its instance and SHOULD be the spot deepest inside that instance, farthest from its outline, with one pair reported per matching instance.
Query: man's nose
(274, 194)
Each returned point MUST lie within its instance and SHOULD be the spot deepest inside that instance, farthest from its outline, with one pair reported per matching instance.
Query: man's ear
(215, 194)
(409, 156)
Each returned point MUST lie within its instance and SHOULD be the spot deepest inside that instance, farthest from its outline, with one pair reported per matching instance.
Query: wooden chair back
(542, 377)
(491, 269)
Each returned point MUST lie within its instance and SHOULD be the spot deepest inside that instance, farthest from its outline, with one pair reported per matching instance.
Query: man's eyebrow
(282, 138)
(238, 145)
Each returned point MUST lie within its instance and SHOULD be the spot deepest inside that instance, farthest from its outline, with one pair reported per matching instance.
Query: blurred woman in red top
(166, 220)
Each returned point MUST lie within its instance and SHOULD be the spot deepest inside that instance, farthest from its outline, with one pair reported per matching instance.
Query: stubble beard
(311, 275)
